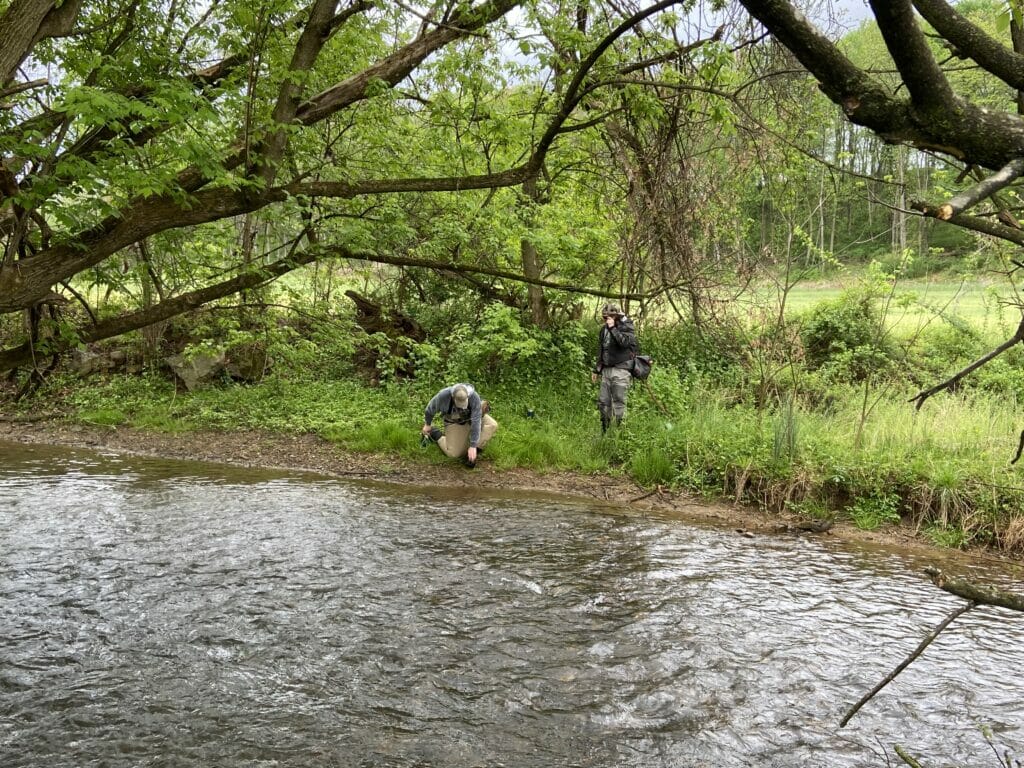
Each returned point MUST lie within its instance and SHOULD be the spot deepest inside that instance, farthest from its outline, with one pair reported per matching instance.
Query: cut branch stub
(984, 188)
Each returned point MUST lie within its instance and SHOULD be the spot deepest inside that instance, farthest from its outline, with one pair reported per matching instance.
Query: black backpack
(641, 367)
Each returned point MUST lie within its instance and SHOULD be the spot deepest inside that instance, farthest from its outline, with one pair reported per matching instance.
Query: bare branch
(977, 595)
(905, 663)
(909, 49)
(17, 357)
(13, 89)
(985, 188)
(924, 394)
(450, 266)
(976, 224)
(989, 53)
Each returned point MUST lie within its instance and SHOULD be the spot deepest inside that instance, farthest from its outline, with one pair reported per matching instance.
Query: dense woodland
(401, 194)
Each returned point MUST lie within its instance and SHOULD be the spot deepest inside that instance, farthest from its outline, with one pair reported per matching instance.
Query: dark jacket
(616, 345)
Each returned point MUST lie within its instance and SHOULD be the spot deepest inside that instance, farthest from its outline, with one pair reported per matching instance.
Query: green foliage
(653, 468)
(871, 512)
(845, 335)
(498, 347)
(947, 536)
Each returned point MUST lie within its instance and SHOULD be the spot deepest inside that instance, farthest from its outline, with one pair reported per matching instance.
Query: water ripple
(163, 613)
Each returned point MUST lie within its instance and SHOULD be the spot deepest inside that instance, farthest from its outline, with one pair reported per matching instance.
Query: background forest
(309, 218)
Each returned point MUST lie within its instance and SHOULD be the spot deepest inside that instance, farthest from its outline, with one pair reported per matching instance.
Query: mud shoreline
(309, 453)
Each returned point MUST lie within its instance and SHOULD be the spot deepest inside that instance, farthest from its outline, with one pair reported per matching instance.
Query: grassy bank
(943, 470)
(806, 415)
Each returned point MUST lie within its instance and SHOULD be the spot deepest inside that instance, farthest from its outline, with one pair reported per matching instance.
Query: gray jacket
(442, 403)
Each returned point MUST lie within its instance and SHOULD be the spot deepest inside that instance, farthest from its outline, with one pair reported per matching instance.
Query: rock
(815, 526)
(196, 370)
(85, 362)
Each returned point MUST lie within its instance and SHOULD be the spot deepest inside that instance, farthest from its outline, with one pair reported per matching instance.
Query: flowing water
(157, 613)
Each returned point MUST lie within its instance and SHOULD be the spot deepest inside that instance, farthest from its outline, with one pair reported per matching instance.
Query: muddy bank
(313, 454)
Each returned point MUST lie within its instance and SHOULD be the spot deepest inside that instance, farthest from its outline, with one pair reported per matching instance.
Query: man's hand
(593, 378)
(425, 430)
(610, 321)
(471, 454)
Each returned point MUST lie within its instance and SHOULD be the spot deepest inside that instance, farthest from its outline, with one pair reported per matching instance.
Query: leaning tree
(207, 148)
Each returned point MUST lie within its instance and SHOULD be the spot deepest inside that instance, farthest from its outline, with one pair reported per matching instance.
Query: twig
(924, 394)
(906, 662)
(654, 397)
(1020, 448)
(11, 90)
(657, 489)
(906, 757)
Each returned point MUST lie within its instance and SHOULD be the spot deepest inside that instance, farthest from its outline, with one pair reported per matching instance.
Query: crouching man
(467, 423)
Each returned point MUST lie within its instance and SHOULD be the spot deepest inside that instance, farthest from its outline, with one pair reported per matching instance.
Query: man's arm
(624, 333)
(436, 405)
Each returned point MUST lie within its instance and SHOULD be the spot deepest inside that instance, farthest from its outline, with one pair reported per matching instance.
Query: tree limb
(975, 223)
(977, 595)
(924, 394)
(400, 261)
(20, 27)
(23, 355)
(989, 53)
(935, 119)
(26, 86)
(909, 49)
(906, 662)
(985, 188)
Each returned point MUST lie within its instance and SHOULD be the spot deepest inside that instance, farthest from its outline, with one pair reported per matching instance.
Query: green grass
(918, 302)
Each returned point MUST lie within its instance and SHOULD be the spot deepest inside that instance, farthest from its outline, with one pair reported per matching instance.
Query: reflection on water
(173, 614)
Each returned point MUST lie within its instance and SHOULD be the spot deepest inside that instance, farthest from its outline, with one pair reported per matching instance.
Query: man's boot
(604, 423)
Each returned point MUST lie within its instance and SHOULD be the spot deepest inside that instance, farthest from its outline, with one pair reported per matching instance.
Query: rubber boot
(604, 424)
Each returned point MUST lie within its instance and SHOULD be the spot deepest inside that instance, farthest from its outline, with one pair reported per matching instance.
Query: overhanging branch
(924, 394)
(979, 595)
(23, 355)
(967, 199)
(975, 223)
(450, 266)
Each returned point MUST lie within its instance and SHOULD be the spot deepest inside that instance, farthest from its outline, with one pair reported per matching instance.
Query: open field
(985, 304)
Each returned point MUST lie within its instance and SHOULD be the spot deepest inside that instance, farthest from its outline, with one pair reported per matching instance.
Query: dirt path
(313, 454)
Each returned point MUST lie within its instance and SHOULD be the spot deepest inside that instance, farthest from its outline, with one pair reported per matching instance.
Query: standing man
(616, 345)
(467, 422)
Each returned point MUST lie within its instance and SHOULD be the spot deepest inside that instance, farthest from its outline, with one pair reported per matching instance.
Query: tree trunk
(531, 260)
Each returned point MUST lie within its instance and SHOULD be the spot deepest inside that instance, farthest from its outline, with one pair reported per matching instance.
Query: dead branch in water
(976, 594)
(905, 663)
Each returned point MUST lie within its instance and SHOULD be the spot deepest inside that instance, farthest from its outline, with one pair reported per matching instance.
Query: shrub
(845, 336)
